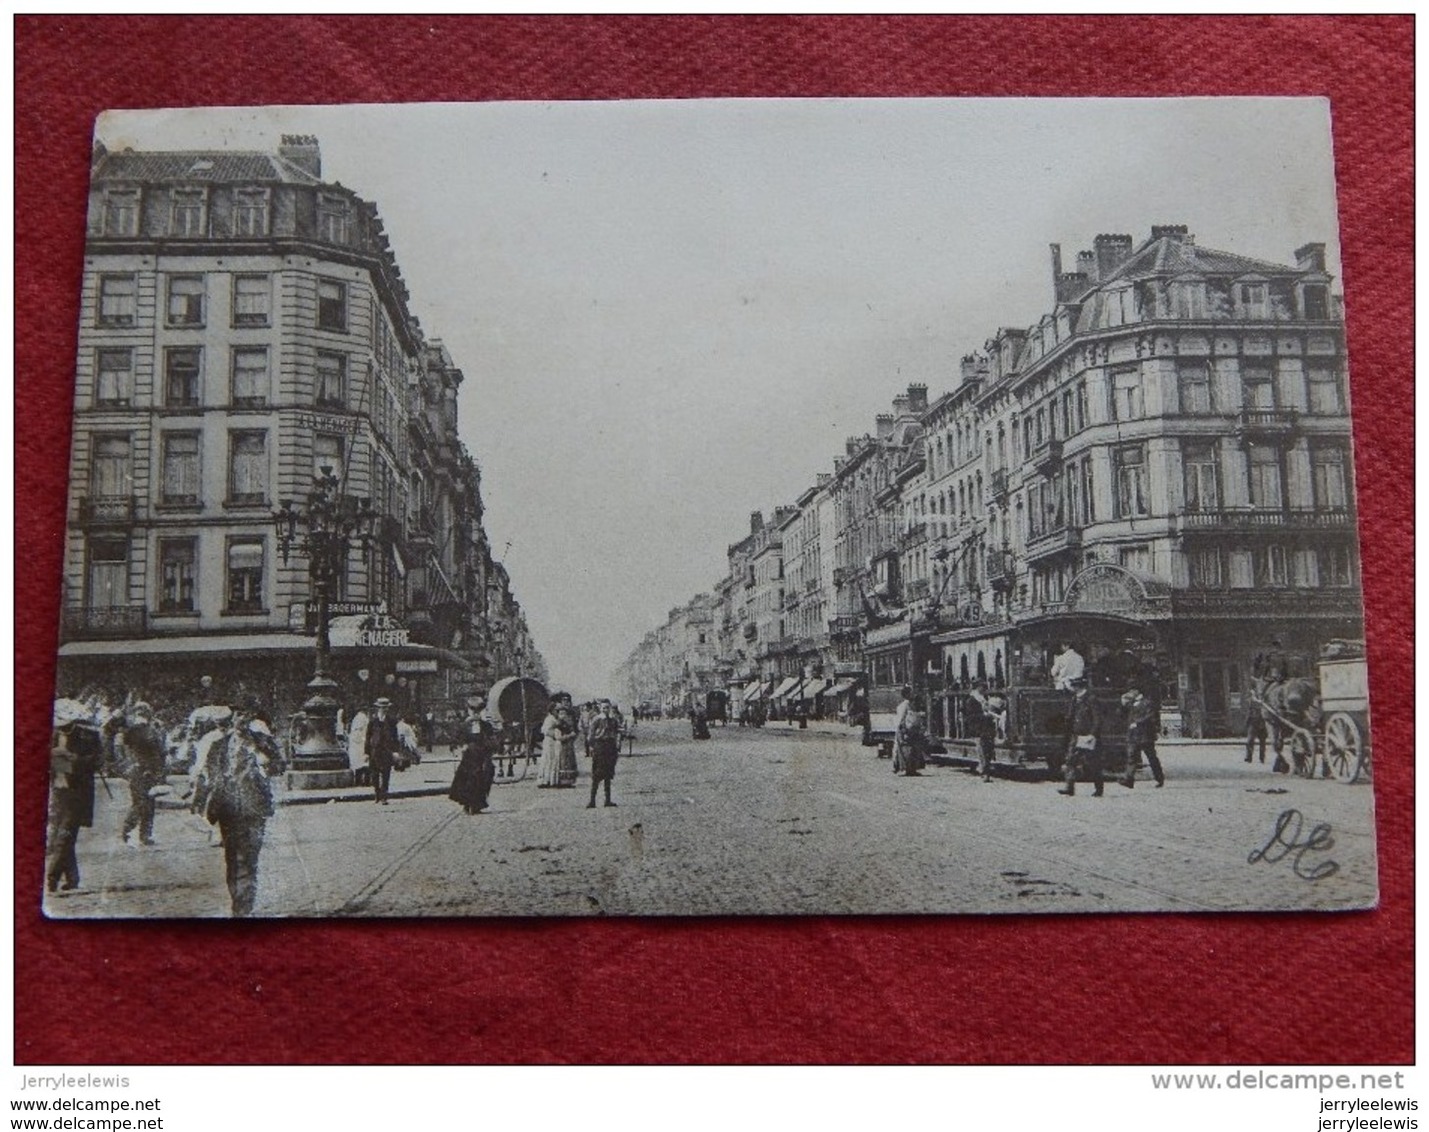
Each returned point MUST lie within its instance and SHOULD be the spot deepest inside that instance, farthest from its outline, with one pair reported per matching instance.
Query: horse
(1293, 708)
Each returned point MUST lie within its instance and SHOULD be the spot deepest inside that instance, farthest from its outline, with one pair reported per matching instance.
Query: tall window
(327, 453)
(1202, 477)
(332, 219)
(248, 468)
(1317, 301)
(188, 213)
(1204, 564)
(1254, 300)
(250, 212)
(1266, 490)
(1082, 505)
(121, 212)
(1131, 486)
(1328, 473)
(1324, 384)
(1188, 299)
(331, 380)
(117, 295)
(176, 575)
(1128, 403)
(1257, 387)
(245, 576)
(252, 295)
(1271, 566)
(1195, 381)
(110, 472)
(181, 469)
(1135, 558)
(250, 377)
(332, 305)
(185, 300)
(182, 369)
(108, 573)
(1336, 566)
(114, 381)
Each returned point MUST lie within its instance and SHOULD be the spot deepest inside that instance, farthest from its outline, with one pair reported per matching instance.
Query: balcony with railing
(104, 621)
(108, 510)
(1266, 424)
(1047, 456)
(913, 536)
(997, 486)
(1242, 519)
(844, 624)
(1056, 541)
(999, 569)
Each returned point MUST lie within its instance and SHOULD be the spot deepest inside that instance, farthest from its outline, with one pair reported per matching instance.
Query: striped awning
(813, 688)
(790, 683)
(841, 688)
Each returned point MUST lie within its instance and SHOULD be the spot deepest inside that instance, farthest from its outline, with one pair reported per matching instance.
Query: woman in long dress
(558, 747)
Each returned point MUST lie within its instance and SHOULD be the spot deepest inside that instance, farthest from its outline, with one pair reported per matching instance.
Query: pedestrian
(143, 746)
(357, 747)
(558, 736)
(382, 748)
(699, 726)
(429, 729)
(240, 801)
(75, 753)
(1067, 667)
(1083, 735)
(908, 737)
(1255, 727)
(605, 736)
(980, 723)
(1142, 723)
(471, 785)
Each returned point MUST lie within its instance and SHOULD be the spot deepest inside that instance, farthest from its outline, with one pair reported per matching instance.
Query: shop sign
(1106, 588)
(377, 631)
(422, 664)
(303, 615)
(322, 422)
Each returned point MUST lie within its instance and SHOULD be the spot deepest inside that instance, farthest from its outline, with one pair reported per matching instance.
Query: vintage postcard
(711, 508)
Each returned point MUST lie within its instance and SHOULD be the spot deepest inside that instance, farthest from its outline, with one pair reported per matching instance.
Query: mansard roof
(201, 166)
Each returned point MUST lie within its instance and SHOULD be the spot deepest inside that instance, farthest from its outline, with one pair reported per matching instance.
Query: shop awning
(248, 645)
(813, 688)
(843, 687)
(790, 683)
(754, 691)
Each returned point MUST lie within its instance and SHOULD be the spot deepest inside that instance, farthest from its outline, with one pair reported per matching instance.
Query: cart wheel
(1344, 748)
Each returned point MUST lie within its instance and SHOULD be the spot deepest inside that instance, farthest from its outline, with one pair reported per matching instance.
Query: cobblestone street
(763, 822)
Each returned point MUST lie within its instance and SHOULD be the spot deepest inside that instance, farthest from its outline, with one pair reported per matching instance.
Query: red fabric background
(1182, 988)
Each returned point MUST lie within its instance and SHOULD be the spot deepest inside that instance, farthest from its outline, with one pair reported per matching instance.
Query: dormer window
(1254, 300)
(250, 212)
(121, 212)
(332, 218)
(1316, 301)
(187, 215)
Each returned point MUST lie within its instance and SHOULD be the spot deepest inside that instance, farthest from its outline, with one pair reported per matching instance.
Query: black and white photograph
(705, 508)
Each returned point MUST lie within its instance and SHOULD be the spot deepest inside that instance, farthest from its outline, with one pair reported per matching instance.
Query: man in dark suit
(382, 747)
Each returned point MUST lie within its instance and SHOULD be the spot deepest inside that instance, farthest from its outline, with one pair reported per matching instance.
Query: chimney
(822, 478)
(756, 522)
(1111, 253)
(1070, 286)
(968, 370)
(1087, 266)
(1056, 263)
(1311, 257)
(900, 404)
(303, 151)
(850, 445)
(884, 425)
(917, 397)
(1178, 232)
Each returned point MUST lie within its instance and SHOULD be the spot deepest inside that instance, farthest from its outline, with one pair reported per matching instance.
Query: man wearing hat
(382, 747)
(75, 754)
(143, 746)
(471, 785)
(1084, 734)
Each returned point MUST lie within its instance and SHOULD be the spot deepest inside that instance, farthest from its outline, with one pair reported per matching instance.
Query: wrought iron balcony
(104, 621)
(108, 510)
(845, 623)
(999, 569)
(1054, 542)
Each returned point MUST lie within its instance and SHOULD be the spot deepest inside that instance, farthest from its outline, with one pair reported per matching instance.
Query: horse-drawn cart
(517, 706)
(1344, 699)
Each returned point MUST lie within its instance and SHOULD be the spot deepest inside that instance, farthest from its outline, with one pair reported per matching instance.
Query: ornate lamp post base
(319, 760)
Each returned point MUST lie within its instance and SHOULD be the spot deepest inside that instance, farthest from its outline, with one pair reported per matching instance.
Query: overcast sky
(671, 314)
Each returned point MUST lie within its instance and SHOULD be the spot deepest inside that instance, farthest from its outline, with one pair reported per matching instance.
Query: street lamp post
(324, 529)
